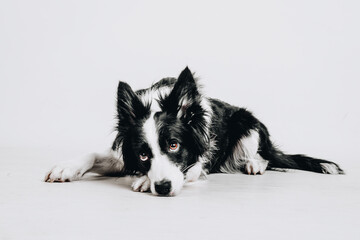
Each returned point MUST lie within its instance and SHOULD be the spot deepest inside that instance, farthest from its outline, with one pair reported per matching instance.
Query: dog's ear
(184, 94)
(129, 106)
(184, 101)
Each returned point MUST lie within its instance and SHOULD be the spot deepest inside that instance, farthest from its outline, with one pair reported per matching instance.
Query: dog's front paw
(63, 174)
(256, 166)
(141, 184)
(194, 172)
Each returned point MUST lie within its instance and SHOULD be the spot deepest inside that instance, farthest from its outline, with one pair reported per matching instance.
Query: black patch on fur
(134, 144)
(229, 125)
(171, 128)
(131, 116)
(129, 106)
(185, 98)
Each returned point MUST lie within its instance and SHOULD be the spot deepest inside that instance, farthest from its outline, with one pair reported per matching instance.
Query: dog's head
(162, 132)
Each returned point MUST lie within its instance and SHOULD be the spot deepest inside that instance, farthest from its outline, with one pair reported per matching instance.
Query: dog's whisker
(186, 168)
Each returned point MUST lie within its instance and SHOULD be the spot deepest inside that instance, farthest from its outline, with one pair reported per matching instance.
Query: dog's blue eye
(143, 157)
(174, 146)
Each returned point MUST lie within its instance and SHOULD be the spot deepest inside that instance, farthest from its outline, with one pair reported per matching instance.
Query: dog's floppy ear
(184, 101)
(129, 106)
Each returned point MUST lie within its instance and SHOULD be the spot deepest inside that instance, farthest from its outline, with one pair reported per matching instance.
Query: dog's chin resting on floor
(170, 134)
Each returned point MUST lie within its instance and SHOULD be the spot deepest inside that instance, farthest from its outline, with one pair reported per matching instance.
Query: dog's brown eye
(174, 146)
(143, 157)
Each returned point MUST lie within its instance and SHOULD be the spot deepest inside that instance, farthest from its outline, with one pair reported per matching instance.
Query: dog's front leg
(194, 172)
(104, 164)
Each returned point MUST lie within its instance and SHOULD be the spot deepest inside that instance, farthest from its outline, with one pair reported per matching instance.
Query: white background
(295, 64)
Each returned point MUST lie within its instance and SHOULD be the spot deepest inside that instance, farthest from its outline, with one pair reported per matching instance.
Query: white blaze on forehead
(151, 135)
(161, 167)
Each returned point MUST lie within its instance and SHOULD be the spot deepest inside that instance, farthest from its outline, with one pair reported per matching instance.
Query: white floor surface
(291, 205)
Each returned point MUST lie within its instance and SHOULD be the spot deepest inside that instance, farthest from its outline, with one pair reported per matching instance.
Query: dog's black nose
(163, 187)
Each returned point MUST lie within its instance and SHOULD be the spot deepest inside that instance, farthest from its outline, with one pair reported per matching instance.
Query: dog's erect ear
(129, 106)
(184, 94)
(184, 101)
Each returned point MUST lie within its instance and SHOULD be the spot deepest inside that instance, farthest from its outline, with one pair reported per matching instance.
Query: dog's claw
(62, 174)
(255, 166)
(47, 177)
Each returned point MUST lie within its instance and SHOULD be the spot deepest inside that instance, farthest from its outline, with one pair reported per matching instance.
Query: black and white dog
(170, 134)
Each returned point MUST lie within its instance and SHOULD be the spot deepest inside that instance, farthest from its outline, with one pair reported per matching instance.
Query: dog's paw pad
(141, 184)
(62, 174)
(256, 166)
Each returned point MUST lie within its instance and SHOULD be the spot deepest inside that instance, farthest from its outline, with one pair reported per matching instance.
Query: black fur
(186, 98)
(131, 115)
(230, 124)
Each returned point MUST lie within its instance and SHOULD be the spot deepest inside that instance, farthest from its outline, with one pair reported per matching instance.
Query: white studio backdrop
(295, 64)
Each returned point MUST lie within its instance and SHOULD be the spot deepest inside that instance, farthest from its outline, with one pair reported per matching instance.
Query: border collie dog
(170, 134)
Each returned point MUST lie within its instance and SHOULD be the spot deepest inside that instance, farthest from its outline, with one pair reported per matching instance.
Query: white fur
(183, 102)
(194, 172)
(70, 170)
(161, 167)
(256, 165)
(205, 104)
(152, 96)
(245, 155)
(141, 184)
(329, 168)
(163, 91)
(74, 169)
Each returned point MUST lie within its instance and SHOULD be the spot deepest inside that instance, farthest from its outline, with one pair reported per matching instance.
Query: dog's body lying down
(169, 134)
